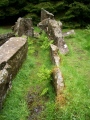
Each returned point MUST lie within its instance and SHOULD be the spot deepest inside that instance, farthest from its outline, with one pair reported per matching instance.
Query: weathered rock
(58, 81)
(55, 33)
(53, 30)
(12, 54)
(54, 55)
(5, 37)
(71, 32)
(45, 14)
(23, 26)
(44, 24)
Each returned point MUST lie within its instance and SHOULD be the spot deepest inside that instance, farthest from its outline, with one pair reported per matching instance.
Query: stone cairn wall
(12, 54)
(13, 51)
(53, 29)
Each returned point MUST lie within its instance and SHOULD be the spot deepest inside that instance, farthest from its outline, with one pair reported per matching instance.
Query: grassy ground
(29, 82)
(4, 30)
(76, 70)
(33, 80)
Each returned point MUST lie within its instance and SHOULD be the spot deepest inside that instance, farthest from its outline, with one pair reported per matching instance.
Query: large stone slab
(55, 33)
(45, 14)
(23, 26)
(12, 55)
(58, 81)
(43, 25)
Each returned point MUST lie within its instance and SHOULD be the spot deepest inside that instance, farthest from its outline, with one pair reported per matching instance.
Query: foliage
(44, 76)
(71, 13)
(78, 13)
(45, 41)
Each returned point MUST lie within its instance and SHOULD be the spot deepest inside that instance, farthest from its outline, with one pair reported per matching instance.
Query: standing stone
(23, 26)
(55, 33)
(45, 14)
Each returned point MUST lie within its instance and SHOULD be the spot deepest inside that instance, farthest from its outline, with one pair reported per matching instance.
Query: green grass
(75, 67)
(27, 80)
(4, 29)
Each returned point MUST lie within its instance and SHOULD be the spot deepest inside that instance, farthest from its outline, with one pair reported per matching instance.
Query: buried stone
(71, 32)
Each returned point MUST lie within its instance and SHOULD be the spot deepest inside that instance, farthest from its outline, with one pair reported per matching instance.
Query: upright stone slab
(43, 25)
(55, 33)
(23, 26)
(45, 14)
(12, 54)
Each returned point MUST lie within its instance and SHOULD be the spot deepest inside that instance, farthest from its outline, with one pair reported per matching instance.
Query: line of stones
(14, 50)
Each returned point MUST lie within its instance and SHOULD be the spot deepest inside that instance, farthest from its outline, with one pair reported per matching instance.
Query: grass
(4, 29)
(75, 67)
(26, 81)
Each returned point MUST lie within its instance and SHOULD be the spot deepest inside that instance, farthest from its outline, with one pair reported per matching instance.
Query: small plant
(30, 46)
(44, 77)
(44, 41)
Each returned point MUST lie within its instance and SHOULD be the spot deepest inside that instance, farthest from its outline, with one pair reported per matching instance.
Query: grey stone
(55, 33)
(12, 54)
(23, 26)
(71, 32)
(44, 24)
(58, 81)
(53, 30)
(54, 55)
(45, 14)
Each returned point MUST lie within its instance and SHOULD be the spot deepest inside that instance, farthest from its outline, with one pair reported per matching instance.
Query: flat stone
(8, 49)
(12, 54)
